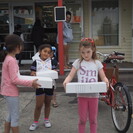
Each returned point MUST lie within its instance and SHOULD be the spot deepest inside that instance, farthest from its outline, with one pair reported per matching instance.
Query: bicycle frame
(117, 96)
(109, 95)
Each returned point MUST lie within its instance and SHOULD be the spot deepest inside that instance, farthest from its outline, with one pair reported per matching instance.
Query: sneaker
(47, 123)
(33, 126)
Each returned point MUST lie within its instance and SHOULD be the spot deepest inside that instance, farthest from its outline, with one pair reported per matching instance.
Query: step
(125, 76)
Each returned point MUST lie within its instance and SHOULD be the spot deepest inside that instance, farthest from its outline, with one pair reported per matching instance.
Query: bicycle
(117, 96)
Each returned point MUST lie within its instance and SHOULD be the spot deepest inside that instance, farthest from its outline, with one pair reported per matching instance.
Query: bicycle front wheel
(122, 110)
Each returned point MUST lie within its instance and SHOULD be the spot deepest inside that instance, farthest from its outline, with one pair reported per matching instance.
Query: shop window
(45, 12)
(23, 15)
(105, 22)
(4, 21)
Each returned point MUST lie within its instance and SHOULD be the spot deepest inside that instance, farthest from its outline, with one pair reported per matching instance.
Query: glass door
(4, 21)
(23, 14)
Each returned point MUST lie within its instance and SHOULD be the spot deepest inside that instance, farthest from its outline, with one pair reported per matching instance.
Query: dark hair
(68, 13)
(18, 27)
(45, 46)
(12, 41)
(37, 22)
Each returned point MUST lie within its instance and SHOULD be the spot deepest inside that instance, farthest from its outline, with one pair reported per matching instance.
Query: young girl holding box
(87, 68)
(42, 62)
(10, 79)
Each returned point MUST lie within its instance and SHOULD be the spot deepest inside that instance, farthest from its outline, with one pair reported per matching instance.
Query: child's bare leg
(54, 98)
(54, 103)
(47, 105)
(15, 129)
(7, 127)
(39, 104)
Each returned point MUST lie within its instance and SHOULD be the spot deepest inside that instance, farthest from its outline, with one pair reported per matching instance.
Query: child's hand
(35, 84)
(64, 84)
(107, 84)
(33, 73)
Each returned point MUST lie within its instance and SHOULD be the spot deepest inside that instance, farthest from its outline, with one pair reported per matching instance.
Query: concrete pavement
(64, 118)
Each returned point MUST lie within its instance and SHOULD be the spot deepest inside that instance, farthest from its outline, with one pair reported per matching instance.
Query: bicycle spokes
(121, 109)
(120, 99)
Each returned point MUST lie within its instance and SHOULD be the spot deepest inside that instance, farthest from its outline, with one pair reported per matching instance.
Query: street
(64, 118)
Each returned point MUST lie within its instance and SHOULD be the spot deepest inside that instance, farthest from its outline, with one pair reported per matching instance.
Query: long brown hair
(88, 43)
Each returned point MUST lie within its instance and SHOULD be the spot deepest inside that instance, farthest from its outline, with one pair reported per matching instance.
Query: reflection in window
(45, 11)
(23, 15)
(105, 22)
(4, 21)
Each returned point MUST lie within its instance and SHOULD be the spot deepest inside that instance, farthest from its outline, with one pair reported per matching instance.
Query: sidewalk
(64, 118)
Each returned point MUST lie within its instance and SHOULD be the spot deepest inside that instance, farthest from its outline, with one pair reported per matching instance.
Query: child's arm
(103, 77)
(13, 73)
(70, 76)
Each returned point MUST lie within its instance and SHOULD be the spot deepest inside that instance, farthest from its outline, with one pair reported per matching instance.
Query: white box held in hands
(45, 82)
(49, 73)
(95, 87)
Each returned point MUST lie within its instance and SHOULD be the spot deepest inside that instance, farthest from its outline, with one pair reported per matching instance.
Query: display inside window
(23, 15)
(105, 22)
(4, 21)
(45, 11)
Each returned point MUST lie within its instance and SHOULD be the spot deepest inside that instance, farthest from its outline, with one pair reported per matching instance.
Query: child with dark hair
(42, 62)
(10, 79)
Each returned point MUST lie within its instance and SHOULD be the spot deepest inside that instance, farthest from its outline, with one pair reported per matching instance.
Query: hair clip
(4, 48)
(89, 40)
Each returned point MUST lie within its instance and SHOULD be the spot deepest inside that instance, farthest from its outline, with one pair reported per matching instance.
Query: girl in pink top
(87, 69)
(10, 80)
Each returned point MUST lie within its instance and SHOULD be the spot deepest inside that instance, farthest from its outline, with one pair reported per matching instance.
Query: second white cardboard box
(49, 73)
(95, 87)
(45, 82)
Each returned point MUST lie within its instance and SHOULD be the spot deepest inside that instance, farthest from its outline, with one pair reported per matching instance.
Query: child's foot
(55, 105)
(47, 123)
(33, 126)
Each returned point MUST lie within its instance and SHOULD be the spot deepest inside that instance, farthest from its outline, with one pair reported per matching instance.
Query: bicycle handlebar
(114, 56)
(117, 53)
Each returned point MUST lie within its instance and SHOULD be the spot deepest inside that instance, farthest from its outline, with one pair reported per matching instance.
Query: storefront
(109, 22)
(13, 13)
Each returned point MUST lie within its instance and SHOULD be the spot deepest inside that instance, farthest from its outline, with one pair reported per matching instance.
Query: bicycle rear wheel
(122, 110)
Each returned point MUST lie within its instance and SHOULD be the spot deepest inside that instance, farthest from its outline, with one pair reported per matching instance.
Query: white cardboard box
(49, 73)
(45, 82)
(95, 87)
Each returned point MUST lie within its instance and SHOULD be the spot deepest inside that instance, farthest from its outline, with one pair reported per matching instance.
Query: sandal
(55, 105)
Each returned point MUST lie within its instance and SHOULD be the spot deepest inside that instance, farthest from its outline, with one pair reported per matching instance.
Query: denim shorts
(12, 110)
